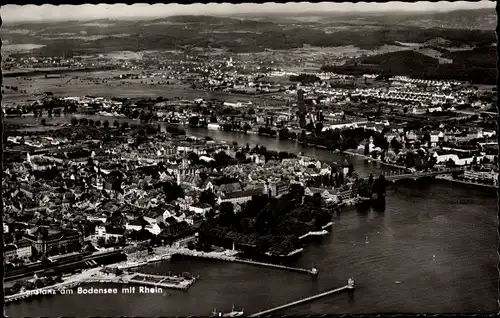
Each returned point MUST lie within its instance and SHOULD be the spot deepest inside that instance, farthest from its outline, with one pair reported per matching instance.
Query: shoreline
(449, 178)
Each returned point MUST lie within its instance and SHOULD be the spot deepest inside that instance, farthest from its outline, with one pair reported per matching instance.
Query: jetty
(314, 233)
(312, 271)
(349, 286)
(327, 225)
(218, 256)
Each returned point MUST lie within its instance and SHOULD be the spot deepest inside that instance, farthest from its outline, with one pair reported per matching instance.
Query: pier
(312, 271)
(349, 286)
(314, 233)
(221, 257)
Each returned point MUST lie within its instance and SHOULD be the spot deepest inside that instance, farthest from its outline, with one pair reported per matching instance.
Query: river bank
(450, 178)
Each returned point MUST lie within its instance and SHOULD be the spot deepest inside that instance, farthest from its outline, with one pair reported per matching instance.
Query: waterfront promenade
(349, 286)
(450, 178)
(70, 282)
(95, 275)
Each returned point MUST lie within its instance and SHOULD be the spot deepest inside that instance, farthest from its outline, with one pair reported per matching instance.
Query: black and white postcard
(250, 159)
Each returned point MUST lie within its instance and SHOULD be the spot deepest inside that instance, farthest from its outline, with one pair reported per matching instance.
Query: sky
(32, 13)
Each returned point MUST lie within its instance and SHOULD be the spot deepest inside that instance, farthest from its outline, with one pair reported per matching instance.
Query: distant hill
(254, 34)
(480, 19)
(476, 66)
(393, 63)
(485, 56)
(402, 59)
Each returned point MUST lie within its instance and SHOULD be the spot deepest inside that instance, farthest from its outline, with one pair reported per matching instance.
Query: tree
(226, 213)
(112, 241)
(44, 122)
(39, 283)
(210, 214)
(222, 159)
(474, 161)
(84, 121)
(207, 197)
(194, 121)
(310, 126)
(350, 171)
(105, 124)
(193, 157)
(117, 185)
(396, 145)
(319, 128)
(122, 241)
(172, 191)
(116, 124)
(74, 121)
(317, 199)
(246, 127)
(101, 242)
(367, 149)
(370, 179)
(450, 163)
(98, 123)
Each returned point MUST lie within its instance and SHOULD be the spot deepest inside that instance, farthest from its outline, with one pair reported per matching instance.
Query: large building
(52, 241)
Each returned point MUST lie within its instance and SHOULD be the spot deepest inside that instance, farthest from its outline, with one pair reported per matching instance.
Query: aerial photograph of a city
(249, 159)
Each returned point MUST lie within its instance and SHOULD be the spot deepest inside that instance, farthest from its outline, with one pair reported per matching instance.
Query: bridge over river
(396, 176)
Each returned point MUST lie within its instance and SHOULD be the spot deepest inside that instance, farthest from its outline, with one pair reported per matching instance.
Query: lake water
(439, 239)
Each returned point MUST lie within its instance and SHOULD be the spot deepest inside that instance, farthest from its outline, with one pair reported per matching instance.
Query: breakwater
(349, 286)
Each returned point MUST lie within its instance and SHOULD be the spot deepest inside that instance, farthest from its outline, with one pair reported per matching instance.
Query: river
(273, 143)
(439, 239)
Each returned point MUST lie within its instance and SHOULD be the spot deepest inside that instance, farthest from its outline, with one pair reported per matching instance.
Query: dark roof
(139, 222)
(115, 230)
(242, 194)
(9, 247)
(230, 187)
(170, 220)
(23, 243)
(225, 180)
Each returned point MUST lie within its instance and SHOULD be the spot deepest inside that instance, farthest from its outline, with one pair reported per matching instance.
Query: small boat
(233, 313)
(397, 282)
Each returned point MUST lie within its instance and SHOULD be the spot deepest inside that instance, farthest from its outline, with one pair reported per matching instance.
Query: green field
(89, 84)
